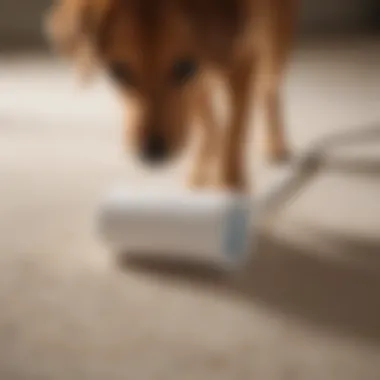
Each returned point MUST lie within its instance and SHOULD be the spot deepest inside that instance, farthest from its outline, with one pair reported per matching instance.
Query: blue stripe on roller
(235, 241)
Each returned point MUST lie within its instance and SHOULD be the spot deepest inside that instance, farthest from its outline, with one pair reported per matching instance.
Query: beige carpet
(307, 308)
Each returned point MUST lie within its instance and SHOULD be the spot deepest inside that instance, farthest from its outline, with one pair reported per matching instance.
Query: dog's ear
(72, 27)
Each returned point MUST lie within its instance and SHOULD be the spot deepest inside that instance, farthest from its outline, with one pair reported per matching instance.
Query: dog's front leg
(231, 171)
(201, 171)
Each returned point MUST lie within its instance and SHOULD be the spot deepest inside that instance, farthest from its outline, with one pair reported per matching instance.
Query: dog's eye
(121, 73)
(183, 70)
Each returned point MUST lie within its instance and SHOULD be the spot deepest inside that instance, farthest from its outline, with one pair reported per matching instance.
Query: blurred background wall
(20, 20)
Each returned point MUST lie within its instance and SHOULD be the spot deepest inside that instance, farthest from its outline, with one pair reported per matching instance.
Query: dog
(160, 54)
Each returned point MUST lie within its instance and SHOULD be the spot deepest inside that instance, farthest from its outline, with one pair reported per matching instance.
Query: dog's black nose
(154, 149)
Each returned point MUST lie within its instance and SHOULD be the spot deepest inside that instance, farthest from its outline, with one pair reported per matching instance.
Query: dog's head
(155, 52)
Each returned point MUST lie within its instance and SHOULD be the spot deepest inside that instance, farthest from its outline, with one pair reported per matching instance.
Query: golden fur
(159, 52)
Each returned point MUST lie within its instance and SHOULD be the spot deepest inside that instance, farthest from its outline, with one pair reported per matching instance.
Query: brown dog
(161, 52)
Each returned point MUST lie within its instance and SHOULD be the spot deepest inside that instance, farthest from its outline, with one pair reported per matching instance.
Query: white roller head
(210, 225)
(215, 226)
